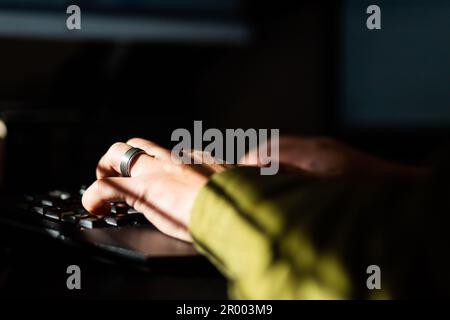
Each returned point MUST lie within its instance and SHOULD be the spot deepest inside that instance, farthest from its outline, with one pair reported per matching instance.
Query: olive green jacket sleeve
(296, 237)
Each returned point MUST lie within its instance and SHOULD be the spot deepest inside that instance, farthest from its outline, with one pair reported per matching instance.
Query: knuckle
(116, 146)
(134, 140)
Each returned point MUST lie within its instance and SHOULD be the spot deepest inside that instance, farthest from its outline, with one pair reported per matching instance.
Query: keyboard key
(81, 211)
(64, 214)
(132, 211)
(74, 218)
(119, 208)
(52, 214)
(69, 206)
(92, 222)
(82, 190)
(58, 214)
(121, 219)
(40, 209)
(48, 202)
(59, 194)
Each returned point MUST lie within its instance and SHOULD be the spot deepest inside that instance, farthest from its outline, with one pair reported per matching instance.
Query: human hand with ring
(163, 190)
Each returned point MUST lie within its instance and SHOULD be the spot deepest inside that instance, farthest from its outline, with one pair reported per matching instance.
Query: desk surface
(35, 267)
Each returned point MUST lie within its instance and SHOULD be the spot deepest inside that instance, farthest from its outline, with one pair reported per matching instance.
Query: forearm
(290, 237)
(251, 234)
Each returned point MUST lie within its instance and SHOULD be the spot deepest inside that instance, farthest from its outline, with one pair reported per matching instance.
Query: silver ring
(127, 158)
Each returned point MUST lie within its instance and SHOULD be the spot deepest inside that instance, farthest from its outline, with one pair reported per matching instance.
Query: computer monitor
(128, 20)
(396, 77)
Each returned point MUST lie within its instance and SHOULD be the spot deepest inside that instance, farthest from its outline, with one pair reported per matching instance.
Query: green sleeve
(296, 237)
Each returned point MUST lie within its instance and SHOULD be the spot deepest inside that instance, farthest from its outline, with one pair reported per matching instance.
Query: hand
(327, 157)
(162, 190)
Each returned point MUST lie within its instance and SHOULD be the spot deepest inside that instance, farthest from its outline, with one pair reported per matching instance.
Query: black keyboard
(63, 209)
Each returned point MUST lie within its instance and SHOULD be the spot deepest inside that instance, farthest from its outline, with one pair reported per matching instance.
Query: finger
(109, 164)
(98, 197)
(150, 148)
(252, 158)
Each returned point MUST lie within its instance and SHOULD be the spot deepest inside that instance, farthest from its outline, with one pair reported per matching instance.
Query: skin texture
(165, 191)
(326, 157)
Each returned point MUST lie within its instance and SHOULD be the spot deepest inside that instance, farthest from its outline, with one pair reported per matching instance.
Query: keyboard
(123, 232)
(62, 210)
